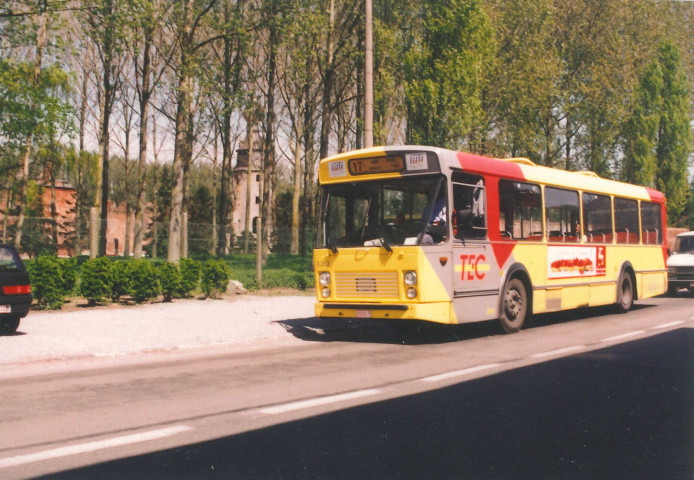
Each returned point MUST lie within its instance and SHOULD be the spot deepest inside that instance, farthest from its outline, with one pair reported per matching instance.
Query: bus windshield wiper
(331, 244)
(385, 244)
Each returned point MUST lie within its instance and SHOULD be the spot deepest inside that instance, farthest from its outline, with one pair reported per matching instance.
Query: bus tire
(625, 292)
(514, 306)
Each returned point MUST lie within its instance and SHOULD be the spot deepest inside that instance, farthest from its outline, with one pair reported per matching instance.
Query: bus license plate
(5, 309)
(363, 313)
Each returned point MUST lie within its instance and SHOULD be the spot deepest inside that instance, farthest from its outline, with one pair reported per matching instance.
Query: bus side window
(469, 217)
(597, 218)
(561, 212)
(626, 217)
(520, 215)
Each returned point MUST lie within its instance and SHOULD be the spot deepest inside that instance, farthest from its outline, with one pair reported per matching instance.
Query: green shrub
(70, 275)
(170, 280)
(215, 278)
(121, 279)
(95, 280)
(190, 275)
(145, 281)
(47, 282)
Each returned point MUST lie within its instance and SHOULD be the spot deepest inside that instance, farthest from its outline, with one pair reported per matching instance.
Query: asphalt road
(585, 395)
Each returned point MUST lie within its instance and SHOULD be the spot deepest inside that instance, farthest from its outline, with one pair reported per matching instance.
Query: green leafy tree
(657, 134)
(674, 132)
(641, 129)
(447, 52)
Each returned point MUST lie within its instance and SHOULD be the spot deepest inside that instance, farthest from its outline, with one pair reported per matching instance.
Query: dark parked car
(15, 289)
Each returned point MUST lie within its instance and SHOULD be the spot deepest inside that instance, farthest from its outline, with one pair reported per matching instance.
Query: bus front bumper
(439, 312)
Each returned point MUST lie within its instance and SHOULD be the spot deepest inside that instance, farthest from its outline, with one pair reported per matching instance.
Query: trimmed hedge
(47, 282)
(190, 276)
(102, 279)
(215, 278)
(96, 280)
(145, 281)
(170, 279)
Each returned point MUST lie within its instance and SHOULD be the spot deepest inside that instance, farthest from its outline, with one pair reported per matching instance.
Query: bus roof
(421, 159)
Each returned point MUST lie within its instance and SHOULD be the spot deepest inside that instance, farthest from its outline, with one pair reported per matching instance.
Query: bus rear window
(651, 225)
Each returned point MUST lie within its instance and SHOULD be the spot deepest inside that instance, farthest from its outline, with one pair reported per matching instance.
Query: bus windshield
(399, 211)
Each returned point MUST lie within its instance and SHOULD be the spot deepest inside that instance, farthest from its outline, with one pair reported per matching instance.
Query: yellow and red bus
(425, 233)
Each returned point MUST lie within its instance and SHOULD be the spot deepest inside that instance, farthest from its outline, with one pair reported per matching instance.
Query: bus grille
(366, 284)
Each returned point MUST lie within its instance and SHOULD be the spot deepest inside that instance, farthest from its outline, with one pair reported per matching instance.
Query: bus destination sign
(365, 166)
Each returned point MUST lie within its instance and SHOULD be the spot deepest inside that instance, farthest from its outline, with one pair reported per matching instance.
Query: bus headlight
(325, 292)
(410, 278)
(324, 279)
(411, 293)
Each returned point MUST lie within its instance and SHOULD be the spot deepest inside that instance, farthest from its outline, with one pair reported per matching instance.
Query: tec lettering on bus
(474, 267)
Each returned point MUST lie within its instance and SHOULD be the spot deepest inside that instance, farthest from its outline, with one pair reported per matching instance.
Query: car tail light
(16, 289)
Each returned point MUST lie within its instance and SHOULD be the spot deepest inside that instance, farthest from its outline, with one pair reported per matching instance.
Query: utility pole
(369, 79)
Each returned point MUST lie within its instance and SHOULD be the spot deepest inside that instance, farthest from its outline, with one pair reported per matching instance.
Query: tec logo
(473, 267)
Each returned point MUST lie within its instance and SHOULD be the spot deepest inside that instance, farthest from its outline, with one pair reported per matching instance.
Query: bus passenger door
(475, 276)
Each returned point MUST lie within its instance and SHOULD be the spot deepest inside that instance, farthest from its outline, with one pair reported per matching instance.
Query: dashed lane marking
(559, 351)
(667, 325)
(459, 373)
(92, 446)
(623, 336)
(313, 402)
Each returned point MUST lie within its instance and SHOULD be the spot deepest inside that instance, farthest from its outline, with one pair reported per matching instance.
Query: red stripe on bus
(478, 163)
(655, 195)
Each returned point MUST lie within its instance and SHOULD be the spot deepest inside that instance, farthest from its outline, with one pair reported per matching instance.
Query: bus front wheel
(625, 293)
(514, 306)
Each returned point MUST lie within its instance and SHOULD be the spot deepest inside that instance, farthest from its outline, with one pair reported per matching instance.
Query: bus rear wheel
(514, 306)
(625, 293)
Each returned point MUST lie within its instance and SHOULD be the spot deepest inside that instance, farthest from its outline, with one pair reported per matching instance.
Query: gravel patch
(183, 324)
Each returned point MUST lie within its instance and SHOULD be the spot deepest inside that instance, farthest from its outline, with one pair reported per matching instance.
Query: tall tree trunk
(296, 193)
(269, 147)
(308, 176)
(155, 200)
(326, 119)
(53, 206)
(177, 193)
(104, 140)
(24, 184)
(145, 94)
(249, 183)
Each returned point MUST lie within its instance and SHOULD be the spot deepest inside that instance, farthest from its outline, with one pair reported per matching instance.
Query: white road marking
(559, 351)
(623, 336)
(459, 373)
(313, 402)
(667, 325)
(92, 446)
